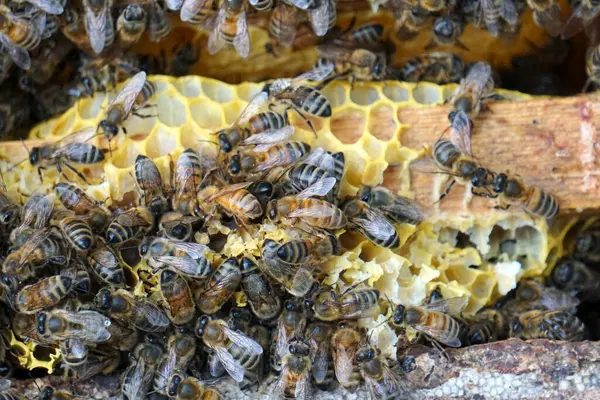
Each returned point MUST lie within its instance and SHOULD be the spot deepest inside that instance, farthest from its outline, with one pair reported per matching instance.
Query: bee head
(224, 143)
(247, 264)
(109, 129)
(515, 327)
(167, 276)
(201, 325)
(585, 243)
(513, 188)
(103, 299)
(174, 383)
(9, 215)
(364, 193)
(365, 355)
(479, 179)
(179, 231)
(235, 165)
(133, 12)
(399, 314)
(272, 210)
(443, 27)
(563, 273)
(34, 156)
(41, 323)
(47, 393)
(499, 183)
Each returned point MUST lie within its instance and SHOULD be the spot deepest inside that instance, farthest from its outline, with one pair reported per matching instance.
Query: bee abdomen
(445, 153)
(79, 233)
(313, 102)
(542, 204)
(306, 175)
(117, 233)
(85, 153)
(294, 252)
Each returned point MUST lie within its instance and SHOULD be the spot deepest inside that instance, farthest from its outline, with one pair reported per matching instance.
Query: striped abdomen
(445, 153)
(178, 296)
(541, 204)
(481, 332)
(357, 302)
(332, 217)
(73, 198)
(305, 175)
(43, 294)
(283, 154)
(442, 323)
(283, 22)
(241, 203)
(118, 233)
(311, 101)
(295, 251)
(147, 91)
(106, 266)
(267, 120)
(24, 34)
(84, 153)
(78, 233)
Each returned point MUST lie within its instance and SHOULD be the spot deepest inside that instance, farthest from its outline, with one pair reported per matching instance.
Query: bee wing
(241, 41)
(477, 78)
(319, 188)
(255, 103)
(375, 223)
(185, 265)
(80, 136)
(5, 385)
(150, 173)
(190, 8)
(49, 6)
(90, 326)
(130, 92)
(404, 208)
(344, 359)
(131, 220)
(460, 133)
(553, 298)
(312, 212)
(322, 159)
(439, 334)
(95, 24)
(303, 387)
(215, 41)
(18, 54)
(231, 365)
(195, 250)
(303, 5)
(316, 74)
(32, 243)
(319, 18)
(269, 137)
(174, 4)
(243, 341)
(281, 345)
(321, 362)
(228, 189)
(508, 12)
(580, 18)
(151, 312)
(453, 306)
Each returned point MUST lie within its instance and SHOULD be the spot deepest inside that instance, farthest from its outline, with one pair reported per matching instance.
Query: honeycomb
(481, 258)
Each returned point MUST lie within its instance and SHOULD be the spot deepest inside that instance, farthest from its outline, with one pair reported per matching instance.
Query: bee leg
(489, 195)
(447, 191)
(308, 121)
(439, 348)
(79, 174)
(40, 169)
(499, 207)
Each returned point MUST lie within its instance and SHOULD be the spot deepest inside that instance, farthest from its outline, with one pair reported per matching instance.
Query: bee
(176, 226)
(140, 312)
(43, 67)
(318, 164)
(230, 28)
(129, 225)
(552, 325)
(236, 351)
(533, 294)
(396, 208)
(43, 294)
(189, 172)
(583, 16)
(188, 258)
(75, 199)
(260, 162)
(87, 326)
(98, 362)
(298, 282)
(238, 202)
(106, 265)
(17, 36)
(73, 27)
(359, 303)
(263, 301)
(356, 64)
(490, 325)
(292, 321)
(131, 24)
(240, 320)
(177, 296)
(546, 14)
(446, 32)
(76, 231)
(159, 25)
(198, 11)
(294, 381)
(224, 281)
(381, 382)
(120, 107)
(409, 22)
(587, 245)
(313, 213)
(322, 367)
(98, 24)
(139, 375)
(576, 278)
(74, 352)
(181, 348)
(371, 224)
(181, 387)
(282, 23)
(592, 66)
(473, 89)
(433, 319)
(532, 199)
(302, 251)
(151, 190)
(345, 343)
(493, 13)
(319, 13)
(71, 149)
(35, 215)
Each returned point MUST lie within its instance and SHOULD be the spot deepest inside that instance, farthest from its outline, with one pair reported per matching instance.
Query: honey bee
(576, 278)
(409, 22)
(176, 226)
(106, 265)
(177, 296)
(181, 387)
(313, 213)
(187, 258)
(118, 110)
(381, 382)
(260, 162)
(587, 245)
(345, 343)
(189, 172)
(395, 207)
(87, 326)
(73, 27)
(552, 325)
(240, 320)
(43, 294)
(75, 199)
(546, 15)
(283, 22)
(129, 225)
(43, 67)
(298, 282)
(238, 202)
(493, 13)
(197, 11)
(302, 251)
(98, 362)
(294, 381)
(224, 281)
(71, 149)
(98, 23)
(159, 25)
(433, 319)
(35, 215)
(446, 32)
(74, 352)
(139, 375)
(17, 36)
(151, 190)
(230, 28)
(292, 321)
(592, 66)
(359, 303)
(532, 199)
(583, 16)
(319, 14)
(490, 325)
(371, 224)
(181, 348)
(473, 89)
(76, 231)
(322, 367)
(355, 64)
(263, 301)
(533, 294)
(140, 312)
(131, 24)
(236, 351)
